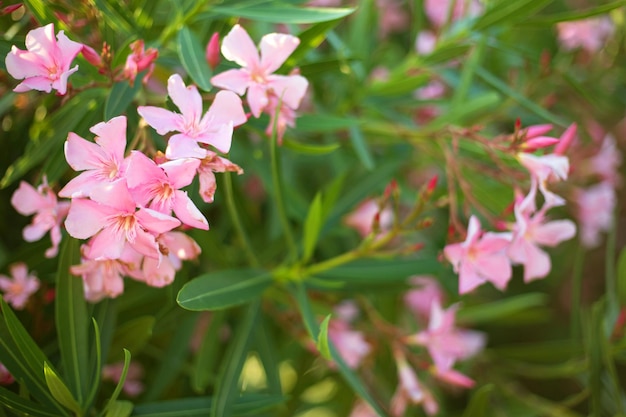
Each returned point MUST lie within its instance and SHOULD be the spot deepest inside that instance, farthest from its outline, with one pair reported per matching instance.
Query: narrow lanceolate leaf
(120, 409)
(501, 309)
(322, 339)
(246, 405)
(621, 277)
(324, 123)
(207, 355)
(310, 38)
(59, 390)
(479, 404)
(361, 148)
(223, 289)
(309, 149)
(574, 14)
(227, 389)
(120, 383)
(120, 97)
(310, 323)
(132, 335)
(191, 54)
(509, 12)
(72, 322)
(20, 405)
(280, 13)
(312, 226)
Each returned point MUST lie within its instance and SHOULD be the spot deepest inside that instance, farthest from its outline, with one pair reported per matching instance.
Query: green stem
(278, 197)
(577, 280)
(234, 215)
(611, 282)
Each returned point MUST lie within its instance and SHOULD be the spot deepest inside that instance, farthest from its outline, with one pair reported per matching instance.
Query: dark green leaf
(308, 149)
(21, 405)
(265, 346)
(509, 12)
(621, 277)
(120, 97)
(132, 335)
(324, 123)
(246, 405)
(381, 271)
(361, 148)
(499, 310)
(112, 15)
(120, 383)
(44, 13)
(120, 409)
(574, 14)
(312, 226)
(208, 353)
(279, 13)
(399, 85)
(479, 404)
(191, 54)
(310, 39)
(223, 289)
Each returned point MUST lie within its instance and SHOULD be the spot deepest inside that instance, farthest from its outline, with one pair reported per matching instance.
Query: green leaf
(309, 149)
(120, 409)
(509, 12)
(120, 97)
(361, 148)
(382, 271)
(95, 381)
(312, 226)
(120, 383)
(191, 54)
(310, 323)
(132, 335)
(324, 123)
(621, 277)
(112, 16)
(208, 353)
(574, 14)
(72, 321)
(223, 289)
(310, 39)
(479, 404)
(265, 346)
(279, 13)
(501, 309)
(246, 405)
(470, 110)
(59, 390)
(399, 85)
(25, 406)
(322, 339)
(227, 388)
(44, 13)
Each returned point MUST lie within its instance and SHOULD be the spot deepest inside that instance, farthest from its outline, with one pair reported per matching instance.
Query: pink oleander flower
(595, 212)
(101, 162)
(110, 216)
(534, 137)
(351, 344)
(426, 291)
(391, 17)
(212, 53)
(531, 231)
(158, 187)
(480, 258)
(257, 72)
(425, 42)
(445, 342)
(5, 376)
(210, 164)
(589, 34)
(214, 128)
(543, 169)
(281, 119)
(607, 161)
(431, 91)
(362, 219)
(19, 287)
(45, 65)
(410, 391)
(49, 214)
(439, 10)
(139, 60)
(132, 385)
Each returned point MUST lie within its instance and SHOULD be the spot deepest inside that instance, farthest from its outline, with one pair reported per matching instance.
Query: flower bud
(213, 51)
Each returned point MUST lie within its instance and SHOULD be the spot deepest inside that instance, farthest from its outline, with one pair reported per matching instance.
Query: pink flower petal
(187, 211)
(226, 107)
(26, 200)
(86, 218)
(220, 139)
(290, 88)
(237, 46)
(181, 172)
(275, 49)
(156, 222)
(236, 80)
(555, 232)
(162, 120)
(257, 98)
(111, 136)
(83, 155)
(187, 99)
(182, 146)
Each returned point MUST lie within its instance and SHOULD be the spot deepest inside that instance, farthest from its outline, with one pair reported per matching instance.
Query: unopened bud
(91, 56)
(518, 124)
(432, 184)
(213, 51)
(10, 8)
(538, 143)
(566, 139)
(537, 130)
(391, 188)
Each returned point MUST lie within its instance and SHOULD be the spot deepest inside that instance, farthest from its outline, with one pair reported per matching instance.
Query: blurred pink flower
(132, 385)
(410, 391)
(426, 291)
(139, 60)
(543, 169)
(439, 10)
(101, 162)
(158, 187)
(531, 231)
(425, 42)
(281, 119)
(362, 409)
(391, 17)
(5, 376)
(104, 278)
(589, 34)
(350, 344)
(257, 72)
(362, 219)
(595, 211)
(45, 65)
(49, 214)
(210, 164)
(19, 287)
(214, 128)
(480, 258)
(607, 161)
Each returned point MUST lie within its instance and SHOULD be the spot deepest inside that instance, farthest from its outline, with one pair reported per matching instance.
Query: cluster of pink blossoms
(488, 257)
(129, 205)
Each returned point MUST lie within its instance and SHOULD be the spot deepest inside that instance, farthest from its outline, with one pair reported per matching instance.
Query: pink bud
(537, 130)
(538, 143)
(10, 8)
(518, 124)
(213, 51)
(91, 56)
(566, 139)
(432, 184)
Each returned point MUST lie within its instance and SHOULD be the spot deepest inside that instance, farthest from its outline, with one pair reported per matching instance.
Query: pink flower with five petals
(19, 287)
(45, 65)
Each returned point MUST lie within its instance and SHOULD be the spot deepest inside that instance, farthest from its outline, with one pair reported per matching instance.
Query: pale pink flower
(45, 65)
(431, 91)
(214, 128)
(544, 169)
(445, 342)
(132, 385)
(439, 10)
(480, 258)
(49, 214)
(210, 164)
(351, 344)
(425, 42)
(425, 292)
(453, 377)
(139, 60)
(347, 311)
(589, 34)
(110, 216)
(531, 231)
(362, 409)
(410, 391)
(257, 72)
(362, 219)
(158, 187)
(19, 287)
(607, 161)
(595, 212)
(101, 162)
(281, 119)
(5, 375)
(391, 17)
